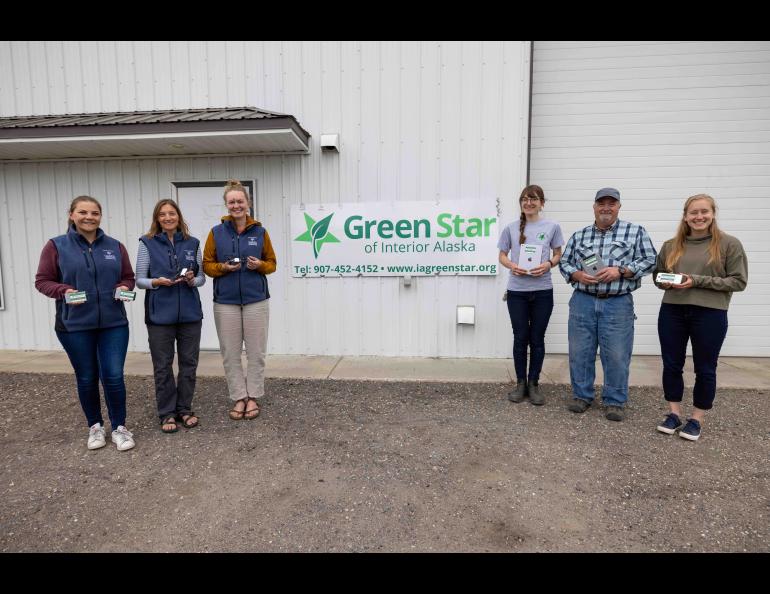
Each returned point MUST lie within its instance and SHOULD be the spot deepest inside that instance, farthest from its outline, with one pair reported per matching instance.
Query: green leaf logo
(317, 233)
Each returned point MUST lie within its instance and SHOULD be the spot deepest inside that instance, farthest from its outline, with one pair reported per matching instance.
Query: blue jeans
(705, 328)
(99, 354)
(609, 325)
(530, 312)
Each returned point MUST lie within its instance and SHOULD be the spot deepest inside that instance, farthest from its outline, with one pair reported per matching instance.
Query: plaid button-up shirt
(623, 244)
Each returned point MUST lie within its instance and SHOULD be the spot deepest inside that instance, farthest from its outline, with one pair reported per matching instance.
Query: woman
(239, 255)
(168, 266)
(713, 265)
(530, 291)
(94, 332)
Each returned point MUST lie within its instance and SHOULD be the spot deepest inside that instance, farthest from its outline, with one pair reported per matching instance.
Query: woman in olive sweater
(713, 265)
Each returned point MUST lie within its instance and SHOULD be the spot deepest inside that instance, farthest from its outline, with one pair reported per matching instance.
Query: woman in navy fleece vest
(239, 256)
(94, 333)
(168, 266)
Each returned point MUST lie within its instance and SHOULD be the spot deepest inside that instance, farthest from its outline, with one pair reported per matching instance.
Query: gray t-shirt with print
(541, 232)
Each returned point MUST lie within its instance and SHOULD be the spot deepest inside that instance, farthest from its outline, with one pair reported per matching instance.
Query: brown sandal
(191, 421)
(252, 413)
(167, 422)
(237, 415)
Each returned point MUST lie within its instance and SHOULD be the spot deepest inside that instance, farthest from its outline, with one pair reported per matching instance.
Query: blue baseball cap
(607, 193)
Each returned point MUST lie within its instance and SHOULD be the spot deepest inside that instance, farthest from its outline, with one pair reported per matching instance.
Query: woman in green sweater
(713, 265)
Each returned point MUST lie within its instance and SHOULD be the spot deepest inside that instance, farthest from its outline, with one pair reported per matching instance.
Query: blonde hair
(155, 227)
(78, 200)
(234, 185)
(683, 231)
(529, 192)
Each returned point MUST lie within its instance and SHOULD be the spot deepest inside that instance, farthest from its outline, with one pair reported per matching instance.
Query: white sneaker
(96, 438)
(123, 438)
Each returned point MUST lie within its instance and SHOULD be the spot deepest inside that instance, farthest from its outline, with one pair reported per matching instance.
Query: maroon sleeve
(48, 274)
(127, 277)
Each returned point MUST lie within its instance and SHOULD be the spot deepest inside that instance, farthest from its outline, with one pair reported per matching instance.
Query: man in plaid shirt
(601, 310)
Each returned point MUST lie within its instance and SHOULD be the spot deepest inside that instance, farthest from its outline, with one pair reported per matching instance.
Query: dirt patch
(381, 466)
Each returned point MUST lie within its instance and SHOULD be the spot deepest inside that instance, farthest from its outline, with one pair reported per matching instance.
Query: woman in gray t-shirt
(535, 246)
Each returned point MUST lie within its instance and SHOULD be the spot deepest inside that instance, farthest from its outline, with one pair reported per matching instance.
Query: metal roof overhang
(279, 135)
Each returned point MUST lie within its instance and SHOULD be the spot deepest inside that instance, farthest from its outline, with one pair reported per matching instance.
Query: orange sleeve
(210, 265)
(268, 256)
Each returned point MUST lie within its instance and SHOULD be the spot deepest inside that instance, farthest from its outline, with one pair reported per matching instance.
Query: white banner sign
(395, 238)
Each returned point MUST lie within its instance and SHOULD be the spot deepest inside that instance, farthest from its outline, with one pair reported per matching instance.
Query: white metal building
(417, 121)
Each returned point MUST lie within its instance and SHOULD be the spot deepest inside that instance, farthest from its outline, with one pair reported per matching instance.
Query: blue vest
(95, 269)
(243, 286)
(181, 303)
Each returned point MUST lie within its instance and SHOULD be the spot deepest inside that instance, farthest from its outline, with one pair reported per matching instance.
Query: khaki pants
(237, 324)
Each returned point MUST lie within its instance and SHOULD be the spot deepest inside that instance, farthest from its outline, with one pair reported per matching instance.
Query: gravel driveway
(381, 466)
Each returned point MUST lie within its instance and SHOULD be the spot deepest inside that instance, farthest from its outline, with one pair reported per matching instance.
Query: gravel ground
(381, 466)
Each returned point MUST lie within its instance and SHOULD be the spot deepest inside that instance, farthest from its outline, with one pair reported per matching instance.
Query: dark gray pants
(174, 398)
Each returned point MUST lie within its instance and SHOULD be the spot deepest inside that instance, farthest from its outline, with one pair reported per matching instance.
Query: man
(601, 311)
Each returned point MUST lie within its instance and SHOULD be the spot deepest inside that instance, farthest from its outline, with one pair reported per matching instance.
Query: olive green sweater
(712, 285)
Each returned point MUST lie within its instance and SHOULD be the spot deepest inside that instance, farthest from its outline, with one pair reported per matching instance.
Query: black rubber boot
(519, 393)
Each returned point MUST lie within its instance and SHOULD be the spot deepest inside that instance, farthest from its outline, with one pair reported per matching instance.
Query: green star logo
(317, 233)
(541, 237)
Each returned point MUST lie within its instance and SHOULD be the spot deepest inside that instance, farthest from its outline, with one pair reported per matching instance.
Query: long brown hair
(530, 192)
(683, 231)
(155, 227)
(77, 200)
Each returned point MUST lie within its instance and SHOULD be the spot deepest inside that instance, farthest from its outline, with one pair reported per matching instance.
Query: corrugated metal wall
(661, 121)
(417, 120)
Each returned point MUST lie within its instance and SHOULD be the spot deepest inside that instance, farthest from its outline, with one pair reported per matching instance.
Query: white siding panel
(161, 75)
(109, 86)
(56, 84)
(198, 74)
(38, 74)
(7, 82)
(180, 79)
(89, 65)
(417, 121)
(16, 263)
(254, 73)
(22, 81)
(236, 79)
(216, 67)
(660, 121)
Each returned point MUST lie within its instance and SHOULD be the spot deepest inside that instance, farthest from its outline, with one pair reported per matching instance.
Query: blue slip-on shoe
(670, 424)
(691, 430)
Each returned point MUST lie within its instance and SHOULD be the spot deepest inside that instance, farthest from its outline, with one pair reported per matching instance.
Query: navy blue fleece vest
(243, 286)
(181, 303)
(95, 269)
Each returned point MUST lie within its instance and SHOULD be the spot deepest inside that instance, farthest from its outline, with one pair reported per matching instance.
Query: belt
(602, 295)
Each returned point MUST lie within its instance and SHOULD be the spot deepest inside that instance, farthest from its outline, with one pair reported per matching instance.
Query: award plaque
(669, 277)
(529, 256)
(76, 297)
(125, 295)
(593, 264)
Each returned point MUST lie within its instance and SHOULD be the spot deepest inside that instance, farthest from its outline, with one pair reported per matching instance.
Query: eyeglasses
(530, 199)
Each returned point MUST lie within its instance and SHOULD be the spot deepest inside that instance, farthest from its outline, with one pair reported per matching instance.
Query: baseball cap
(607, 193)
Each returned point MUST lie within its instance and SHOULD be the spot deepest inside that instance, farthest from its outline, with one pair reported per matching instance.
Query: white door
(203, 207)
